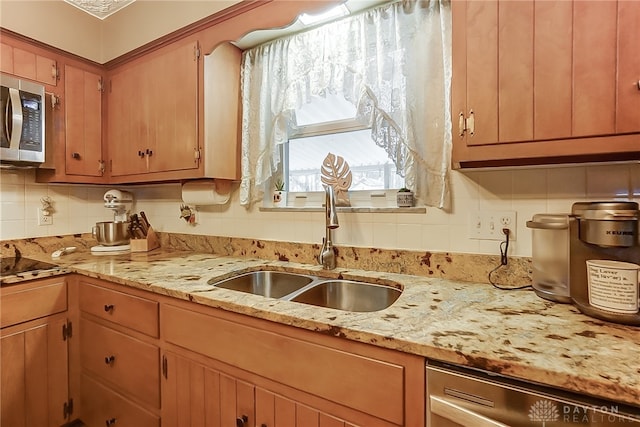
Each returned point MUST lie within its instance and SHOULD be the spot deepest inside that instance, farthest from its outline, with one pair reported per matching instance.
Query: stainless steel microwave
(22, 120)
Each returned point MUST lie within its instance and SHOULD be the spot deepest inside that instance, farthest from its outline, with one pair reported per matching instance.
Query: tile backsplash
(527, 191)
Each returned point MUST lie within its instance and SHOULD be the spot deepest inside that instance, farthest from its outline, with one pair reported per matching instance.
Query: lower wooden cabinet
(126, 363)
(279, 411)
(102, 406)
(119, 356)
(194, 394)
(320, 380)
(141, 359)
(33, 366)
(34, 388)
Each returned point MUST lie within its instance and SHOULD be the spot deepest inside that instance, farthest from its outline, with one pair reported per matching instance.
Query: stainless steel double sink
(347, 295)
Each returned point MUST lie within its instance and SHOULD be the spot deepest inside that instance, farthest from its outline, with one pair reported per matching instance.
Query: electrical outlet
(488, 225)
(44, 219)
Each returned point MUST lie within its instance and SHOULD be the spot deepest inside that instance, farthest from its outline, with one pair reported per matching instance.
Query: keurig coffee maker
(604, 258)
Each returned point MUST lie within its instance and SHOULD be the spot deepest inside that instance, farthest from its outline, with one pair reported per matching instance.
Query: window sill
(413, 210)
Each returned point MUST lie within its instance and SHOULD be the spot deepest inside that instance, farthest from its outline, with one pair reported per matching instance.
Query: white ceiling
(100, 8)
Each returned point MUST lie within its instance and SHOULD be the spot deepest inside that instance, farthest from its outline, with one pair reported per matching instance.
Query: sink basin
(349, 295)
(274, 284)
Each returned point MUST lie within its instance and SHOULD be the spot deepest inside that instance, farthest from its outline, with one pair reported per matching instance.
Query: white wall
(68, 28)
(527, 191)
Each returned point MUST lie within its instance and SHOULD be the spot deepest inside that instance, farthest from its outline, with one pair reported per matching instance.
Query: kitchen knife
(142, 225)
(144, 219)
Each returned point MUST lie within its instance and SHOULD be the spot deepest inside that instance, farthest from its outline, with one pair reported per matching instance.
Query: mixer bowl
(111, 233)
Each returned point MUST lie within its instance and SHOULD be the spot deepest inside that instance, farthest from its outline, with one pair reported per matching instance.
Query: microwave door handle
(460, 415)
(16, 118)
(8, 119)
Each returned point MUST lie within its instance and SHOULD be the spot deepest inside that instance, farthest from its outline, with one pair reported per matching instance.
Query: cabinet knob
(110, 422)
(109, 308)
(638, 84)
(75, 156)
(140, 153)
(242, 421)
(109, 360)
(149, 152)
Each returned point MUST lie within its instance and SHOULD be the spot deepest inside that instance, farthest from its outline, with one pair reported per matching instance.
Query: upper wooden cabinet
(172, 115)
(83, 121)
(538, 82)
(28, 63)
(152, 116)
(73, 108)
(75, 151)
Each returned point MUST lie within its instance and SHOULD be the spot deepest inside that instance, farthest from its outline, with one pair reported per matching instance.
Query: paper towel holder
(205, 192)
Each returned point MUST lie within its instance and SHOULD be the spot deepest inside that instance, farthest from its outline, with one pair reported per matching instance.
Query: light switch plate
(488, 225)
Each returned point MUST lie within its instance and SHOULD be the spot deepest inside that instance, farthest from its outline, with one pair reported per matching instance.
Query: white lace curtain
(393, 63)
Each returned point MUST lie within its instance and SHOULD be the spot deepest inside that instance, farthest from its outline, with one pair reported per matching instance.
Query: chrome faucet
(327, 258)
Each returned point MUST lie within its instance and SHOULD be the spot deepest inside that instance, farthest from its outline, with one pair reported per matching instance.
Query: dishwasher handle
(460, 415)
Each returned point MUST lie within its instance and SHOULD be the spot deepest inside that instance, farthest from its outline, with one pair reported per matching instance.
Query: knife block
(147, 244)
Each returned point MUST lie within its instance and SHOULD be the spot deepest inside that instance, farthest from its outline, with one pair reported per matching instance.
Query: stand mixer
(113, 236)
(120, 202)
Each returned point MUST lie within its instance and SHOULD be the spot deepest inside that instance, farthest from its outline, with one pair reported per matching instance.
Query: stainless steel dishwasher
(459, 396)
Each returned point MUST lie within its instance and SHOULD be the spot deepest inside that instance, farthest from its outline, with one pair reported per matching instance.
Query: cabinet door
(273, 410)
(33, 376)
(153, 114)
(32, 66)
(539, 81)
(552, 69)
(190, 393)
(127, 123)
(6, 58)
(594, 67)
(499, 70)
(236, 402)
(628, 89)
(173, 108)
(83, 120)
(195, 395)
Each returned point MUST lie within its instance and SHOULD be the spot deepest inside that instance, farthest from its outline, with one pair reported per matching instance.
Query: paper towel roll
(202, 193)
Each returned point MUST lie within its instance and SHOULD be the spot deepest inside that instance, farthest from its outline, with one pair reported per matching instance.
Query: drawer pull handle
(242, 421)
(109, 360)
(108, 308)
(110, 422)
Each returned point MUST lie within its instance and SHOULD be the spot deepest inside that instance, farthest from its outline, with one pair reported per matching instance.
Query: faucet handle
(320, 255)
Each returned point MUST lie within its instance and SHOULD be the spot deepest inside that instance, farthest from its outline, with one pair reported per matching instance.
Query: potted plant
(404, 198)
(279, 195)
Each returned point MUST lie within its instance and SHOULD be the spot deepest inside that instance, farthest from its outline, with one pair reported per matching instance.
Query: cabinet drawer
(363, 383)
(133, 312)
(101, 406)
(32, 300)
(130, 364)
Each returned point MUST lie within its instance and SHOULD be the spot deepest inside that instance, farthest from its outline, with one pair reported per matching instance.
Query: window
(328, 125)
(392, 62)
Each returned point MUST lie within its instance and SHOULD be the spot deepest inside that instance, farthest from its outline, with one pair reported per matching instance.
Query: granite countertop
(514, 333)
